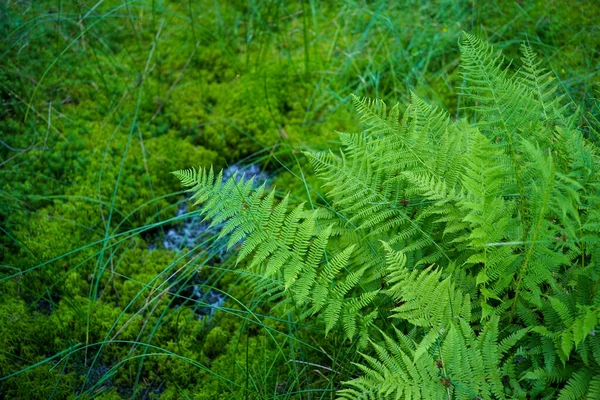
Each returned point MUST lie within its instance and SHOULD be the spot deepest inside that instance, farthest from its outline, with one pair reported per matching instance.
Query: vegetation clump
(466, 254)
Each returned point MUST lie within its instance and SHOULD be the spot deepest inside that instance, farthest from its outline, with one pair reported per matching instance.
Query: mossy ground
(100, 101)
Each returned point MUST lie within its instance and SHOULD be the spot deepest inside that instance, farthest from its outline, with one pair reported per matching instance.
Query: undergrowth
(465, 254)
(100, 100)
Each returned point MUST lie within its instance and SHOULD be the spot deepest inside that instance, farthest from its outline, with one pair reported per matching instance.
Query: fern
(466, 254)
(283, 246)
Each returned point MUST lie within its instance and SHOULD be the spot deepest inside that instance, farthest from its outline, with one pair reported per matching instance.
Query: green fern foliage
(450, 360)
(285, 246)
(467, 254)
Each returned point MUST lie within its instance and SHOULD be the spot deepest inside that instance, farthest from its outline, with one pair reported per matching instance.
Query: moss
(215, 342)
(27, 338)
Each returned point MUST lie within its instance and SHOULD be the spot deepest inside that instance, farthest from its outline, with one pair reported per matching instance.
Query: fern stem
(509, 136)
(519, 183)
(445, 373)
(533, 240)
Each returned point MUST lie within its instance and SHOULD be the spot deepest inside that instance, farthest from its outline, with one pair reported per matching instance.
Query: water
(194, 231)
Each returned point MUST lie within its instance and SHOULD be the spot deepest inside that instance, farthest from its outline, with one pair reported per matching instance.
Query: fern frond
(284, 247)
(543, 88)
(425, 301)
(396, 373)
(454, 363)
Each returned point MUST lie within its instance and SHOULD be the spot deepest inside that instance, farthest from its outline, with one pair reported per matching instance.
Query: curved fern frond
(284, 246)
